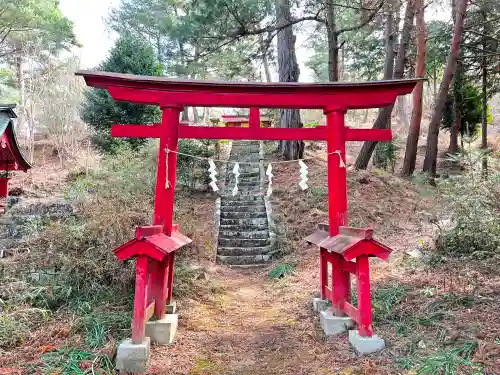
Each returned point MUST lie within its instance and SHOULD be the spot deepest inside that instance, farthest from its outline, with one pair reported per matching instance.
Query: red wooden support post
(160, 288)
(341, 282)
(254, 121)
(323, 272)
(170, 277)
(139, 323)
(165, 185)
(337, 178)
(364, 299)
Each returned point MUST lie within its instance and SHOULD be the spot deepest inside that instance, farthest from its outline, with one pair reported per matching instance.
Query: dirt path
(255, 325)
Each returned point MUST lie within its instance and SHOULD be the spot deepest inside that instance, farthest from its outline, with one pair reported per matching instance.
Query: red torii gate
(173, 95)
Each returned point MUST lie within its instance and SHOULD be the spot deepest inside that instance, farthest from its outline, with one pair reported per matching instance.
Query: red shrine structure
(11, 157)
(243, 121)
(339, 244)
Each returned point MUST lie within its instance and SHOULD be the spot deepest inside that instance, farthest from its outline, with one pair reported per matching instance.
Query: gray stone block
(333, 325)
(320, 304)
(172, 308)
(162, 331)
(365, 345)
(133, 358)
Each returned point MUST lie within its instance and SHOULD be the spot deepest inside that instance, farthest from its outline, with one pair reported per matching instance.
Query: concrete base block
(333, 325)
(365, 345)
(320, 304)
(162, 331)
(172, 308)
(133, 358)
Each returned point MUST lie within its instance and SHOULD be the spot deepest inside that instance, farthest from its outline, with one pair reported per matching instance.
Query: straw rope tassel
(167, 183)
(269, 174)
(213, 173)
(303, 175)
(236, 172)
(341, 161)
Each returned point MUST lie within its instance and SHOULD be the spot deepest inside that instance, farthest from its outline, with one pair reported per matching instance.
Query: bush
(193, 172)
(473, 205)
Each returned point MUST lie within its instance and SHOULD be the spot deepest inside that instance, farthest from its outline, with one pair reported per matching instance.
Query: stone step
(241, 202)
(244, 259)
(244, 189)
(243, 215)
(230, 199)
(243, 242)
(254, 234)
(244, 222)
(243, 195)
(243, 227)
(244, 183)
(239, 251)
(242, 208)
(244, 169)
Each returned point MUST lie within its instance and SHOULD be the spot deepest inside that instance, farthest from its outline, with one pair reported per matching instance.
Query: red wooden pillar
(364, 299)
(254, 120)
(164, 203)
(337, 202)
(141, 279)
(160, 288)
(323, 272)
(337, 177)
(341, 283)
(170, 277)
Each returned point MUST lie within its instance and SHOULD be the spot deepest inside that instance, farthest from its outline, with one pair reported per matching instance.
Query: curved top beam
(171, 92)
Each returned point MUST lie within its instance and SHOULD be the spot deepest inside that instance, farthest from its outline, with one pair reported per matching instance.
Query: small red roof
(11, 156)
(350, 242)
(155, 246)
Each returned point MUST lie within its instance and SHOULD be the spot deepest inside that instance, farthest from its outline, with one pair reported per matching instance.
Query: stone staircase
(244, 238)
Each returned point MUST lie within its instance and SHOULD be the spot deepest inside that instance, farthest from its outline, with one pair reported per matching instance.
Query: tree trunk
(265, 62)
(457, 98)
(333, 42)
(368, 147)
(484, 106)
(451, 65)
(416, 116)
(21, 122)
(288, 70)
(378, 160)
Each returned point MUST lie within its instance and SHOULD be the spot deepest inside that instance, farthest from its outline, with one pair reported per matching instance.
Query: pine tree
(100, 111)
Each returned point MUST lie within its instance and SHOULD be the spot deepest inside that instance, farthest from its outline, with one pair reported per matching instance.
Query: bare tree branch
(363, 23)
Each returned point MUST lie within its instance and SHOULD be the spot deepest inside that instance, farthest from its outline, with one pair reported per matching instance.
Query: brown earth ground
(248, 323)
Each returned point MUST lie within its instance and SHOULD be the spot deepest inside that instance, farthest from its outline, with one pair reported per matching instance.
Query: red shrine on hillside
(339, 245)
(11, 157)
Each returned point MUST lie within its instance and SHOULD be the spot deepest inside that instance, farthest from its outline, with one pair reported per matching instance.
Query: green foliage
(469, 101)
(450, 361)
(98, 326)
(387, 153)
(472, 227)
(15, 325)
(281, 271)
(385, 299)
(438, 46)
(72, 361)
(189, 36)
(12, 331)
(26, 20)
(99, 110)
(193, 172)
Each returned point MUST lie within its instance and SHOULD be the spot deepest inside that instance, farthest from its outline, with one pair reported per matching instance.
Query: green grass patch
(386, 299)
(99, 326)
(281, 271)
(450, 361)
(12, 331)
(71, 361)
